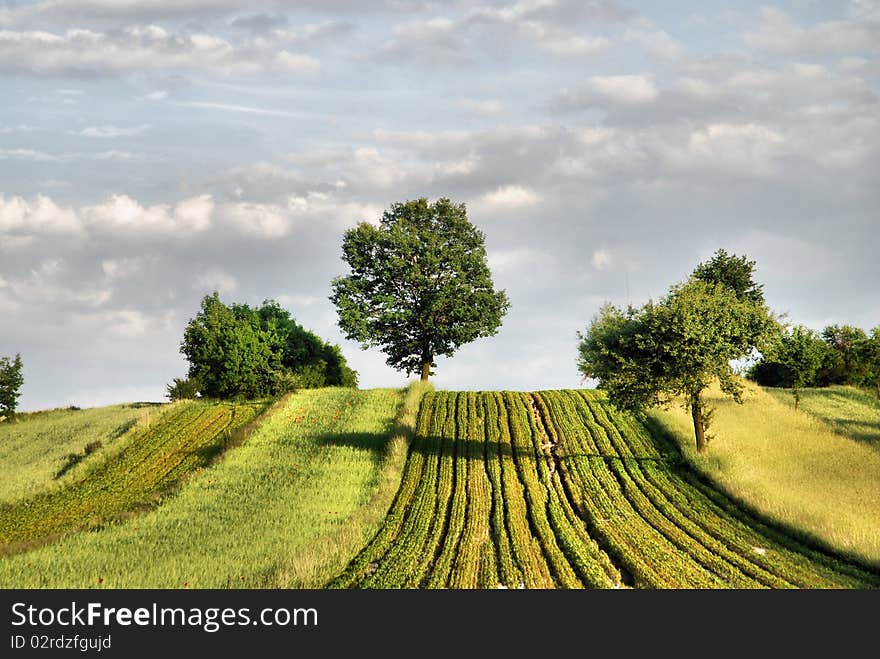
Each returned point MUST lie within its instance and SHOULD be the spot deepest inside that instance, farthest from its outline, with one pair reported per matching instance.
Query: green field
(290, 506)
(38, 446)
(554, 489)
(144, 464)
(369, 489)
(790, 466)
(850, 411)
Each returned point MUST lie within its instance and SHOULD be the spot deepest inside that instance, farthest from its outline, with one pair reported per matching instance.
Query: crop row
(144, 466)
(558, 489)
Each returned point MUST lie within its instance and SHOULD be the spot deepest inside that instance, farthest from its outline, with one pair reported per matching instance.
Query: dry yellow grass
(790, 466)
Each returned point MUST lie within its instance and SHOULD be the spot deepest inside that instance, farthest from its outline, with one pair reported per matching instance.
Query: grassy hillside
(134, 472)
(289, 507)
(555, 489)
(39, 445)
(850, 411)
(790, 466)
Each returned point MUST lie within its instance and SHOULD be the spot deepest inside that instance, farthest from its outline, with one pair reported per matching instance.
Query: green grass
(273, 512)
(791, 467)
(850, 411)
(37, 446)
(135, 472)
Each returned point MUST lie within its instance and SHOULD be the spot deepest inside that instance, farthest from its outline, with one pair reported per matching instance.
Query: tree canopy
(676, 346)
(11, 381)
(239, 351)
(419, 284)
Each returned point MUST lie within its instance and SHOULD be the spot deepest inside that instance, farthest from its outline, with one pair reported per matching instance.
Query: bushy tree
(419, 285)
(183, 389)
(841, 364)
(240, 351)
(676, 347)
(228, 352)
(800, 353)
(11, 381)
(733, 272)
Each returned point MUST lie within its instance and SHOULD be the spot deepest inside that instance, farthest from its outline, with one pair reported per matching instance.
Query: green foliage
(244, 352)
(869, 356)
(183, 389)
(733, 272)
(847, 355)
(678, 346)
(11, 381)
(841, 364)
(794, 362)
(419, 284)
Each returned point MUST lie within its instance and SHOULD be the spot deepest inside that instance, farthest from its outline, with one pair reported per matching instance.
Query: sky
(153, 152)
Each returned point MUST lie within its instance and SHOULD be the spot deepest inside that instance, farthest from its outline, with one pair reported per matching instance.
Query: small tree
(183, 389)
(675, 347)
(800, 353)
(11, 381)
(869, 357)
(419, 285)
(842, 364)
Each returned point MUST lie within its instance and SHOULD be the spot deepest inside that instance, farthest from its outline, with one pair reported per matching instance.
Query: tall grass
(253, 518)
(850, 411)
(39, 445)
(313, 565)
(790, 466)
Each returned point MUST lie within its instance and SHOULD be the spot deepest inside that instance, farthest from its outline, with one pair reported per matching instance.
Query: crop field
(555, 489)
(43, 449)
(290, 506)
(133, 473)
(850, 411)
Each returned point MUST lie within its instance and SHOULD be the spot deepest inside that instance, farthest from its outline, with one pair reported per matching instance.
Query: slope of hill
(848, 410)
(790, 466)
(35, 450)
(555, 489)
(131, 474)
(288, 507)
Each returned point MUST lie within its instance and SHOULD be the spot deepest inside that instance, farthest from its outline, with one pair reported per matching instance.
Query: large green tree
(676, 347)
(419, 284)
(11, 381)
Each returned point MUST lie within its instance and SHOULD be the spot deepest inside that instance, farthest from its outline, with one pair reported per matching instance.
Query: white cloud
(779, 33)
(601, 259)
(625, 89)
(486, 107)
(40, 215)
(109, 131)
(215, 280)
(158, 95)
(518, 259)
(263, 220)
(511, 196)
(297, 62)
(140, 48)
(121, 212)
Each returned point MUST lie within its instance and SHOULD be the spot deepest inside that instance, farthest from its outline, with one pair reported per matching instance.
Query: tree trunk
(699, 426)
(426, 370)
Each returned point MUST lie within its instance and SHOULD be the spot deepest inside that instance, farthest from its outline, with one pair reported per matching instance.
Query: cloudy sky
(154, 151)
